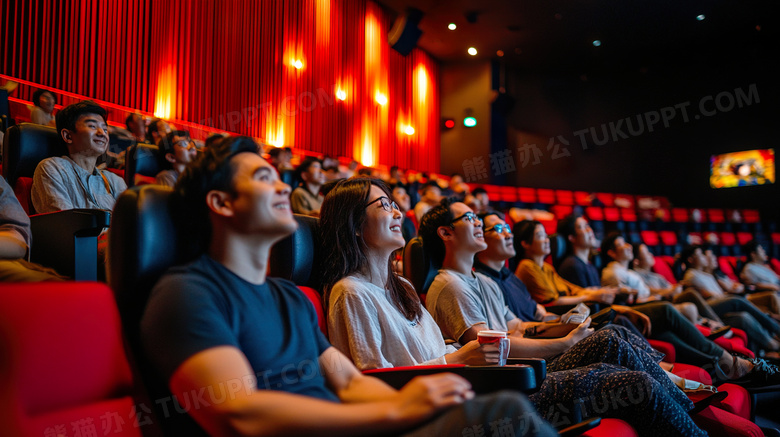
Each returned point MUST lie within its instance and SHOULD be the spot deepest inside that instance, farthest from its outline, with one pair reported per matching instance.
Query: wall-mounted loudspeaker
(405, 33)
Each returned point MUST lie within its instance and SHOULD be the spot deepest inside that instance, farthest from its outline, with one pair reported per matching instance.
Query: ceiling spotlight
(700, 17)
(596, 42)
(452, 26)
(500, 53)
(408, 130)
(472, 51)
(341, 94)
(298, 64)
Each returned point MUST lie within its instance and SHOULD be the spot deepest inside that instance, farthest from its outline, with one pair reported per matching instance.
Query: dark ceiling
(544, 35)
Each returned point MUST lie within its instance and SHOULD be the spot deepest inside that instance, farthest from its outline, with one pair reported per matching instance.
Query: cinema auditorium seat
(68, 364)
(141, 165)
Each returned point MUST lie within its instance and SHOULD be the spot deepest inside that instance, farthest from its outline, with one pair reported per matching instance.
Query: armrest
(483, 380)
(538, 364)
(67, 241)
(561, 309)
(580, 428)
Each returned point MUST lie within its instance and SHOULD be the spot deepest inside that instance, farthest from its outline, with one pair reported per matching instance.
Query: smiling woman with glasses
(374, 316)
(174, 153)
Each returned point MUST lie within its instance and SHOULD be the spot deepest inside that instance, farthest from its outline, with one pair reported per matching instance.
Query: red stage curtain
(230, 65)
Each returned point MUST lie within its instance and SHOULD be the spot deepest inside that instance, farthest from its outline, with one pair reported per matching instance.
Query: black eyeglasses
(387, 204)
(500, 229)
(470, 216)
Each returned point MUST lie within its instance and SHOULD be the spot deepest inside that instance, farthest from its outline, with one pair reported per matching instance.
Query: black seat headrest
(143, 244)
(141, 158)
(25, 146)
(297, 257)
(558, 249)
(419, 269)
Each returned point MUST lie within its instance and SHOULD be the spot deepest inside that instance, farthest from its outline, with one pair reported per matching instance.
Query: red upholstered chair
(608, 199)
(668, 238)
(680, 215)
(716, 215)
(751, 216)
(628, 214)
(725, 267)
(508, 195)
(663, 268)
(744, 237)
(582, 198)
(594, 213)
(561, 211)
(775, 264)
(611, 214)
(527, 195)
(546, 196)
(564, 197)
(650, 238)
(68, 359)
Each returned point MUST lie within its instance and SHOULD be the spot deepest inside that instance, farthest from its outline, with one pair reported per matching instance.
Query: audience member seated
(580, 242)
(174, 152)
(396, 177)
(430, 196)
(762, 331)
(43, 111)
(401, 198)
(218, 320)
(157, 130)
(15, 242)
(280, 158)
(657, 320)
(543, 282)
(766, 301)
(463, 304)
(73, 181)
(483, 198)
(306, 199)
(756, 272)
(642, 265)
(136, 126)
(456, 187)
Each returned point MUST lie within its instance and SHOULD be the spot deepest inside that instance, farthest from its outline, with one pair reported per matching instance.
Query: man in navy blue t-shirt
(243, 354)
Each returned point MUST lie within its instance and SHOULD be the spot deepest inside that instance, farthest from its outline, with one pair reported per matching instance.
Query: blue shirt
(203, 305)
(579, 272)
(516, 295)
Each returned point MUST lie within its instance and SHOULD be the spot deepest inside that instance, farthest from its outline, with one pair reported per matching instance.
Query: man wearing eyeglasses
(491, 262)
(175, 151)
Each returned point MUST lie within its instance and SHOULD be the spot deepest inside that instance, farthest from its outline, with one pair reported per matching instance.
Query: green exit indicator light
(469, 122)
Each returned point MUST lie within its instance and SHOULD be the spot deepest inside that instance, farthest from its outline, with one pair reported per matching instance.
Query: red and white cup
(499, 337)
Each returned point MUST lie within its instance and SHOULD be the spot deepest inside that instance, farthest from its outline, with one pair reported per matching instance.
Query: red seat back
(663, 268)
(316, 299)
(68, 355)
(564, 197)
(726, 268)
(594, 213)
(668, 238)
(650, 238)
(527, 195)
(545, 195)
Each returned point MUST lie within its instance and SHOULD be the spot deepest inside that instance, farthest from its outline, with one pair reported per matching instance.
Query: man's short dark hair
(439, 215)
(609, 244)
(688, 252)
(478, 190)
(304, 167)
(750, 248)
(213, 139)
(567, 226)
(37, 96)
(428, 185)
(211, 170)
(152, 128)
(68, 116)
(130, 118)
(485, 215)
(166, 146)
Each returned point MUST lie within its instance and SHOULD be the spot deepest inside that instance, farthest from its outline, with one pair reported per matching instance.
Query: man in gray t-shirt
(463, 303)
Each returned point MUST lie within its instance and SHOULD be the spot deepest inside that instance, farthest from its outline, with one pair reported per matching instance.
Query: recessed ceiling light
(596, 42)
(452, 26)
(700, 17)
(472, 51)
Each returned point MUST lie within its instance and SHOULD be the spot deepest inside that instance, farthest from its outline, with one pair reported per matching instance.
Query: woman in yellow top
(541, 279)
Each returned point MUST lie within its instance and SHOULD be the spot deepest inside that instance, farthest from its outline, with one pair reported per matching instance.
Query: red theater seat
(564, 197)
(744, 237)
(561, 211)
(751, 216)
(611, 214)
(650, 238)
(628, 214)
(68, 360)
(728, 239)
(594, 213)
(582, 198)
(663, 268)
(668, 238)
(679, 215)
(507, 194)
(544, 195)
(527, 195)
(608, 199)
(716, 215)
(726, 267)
